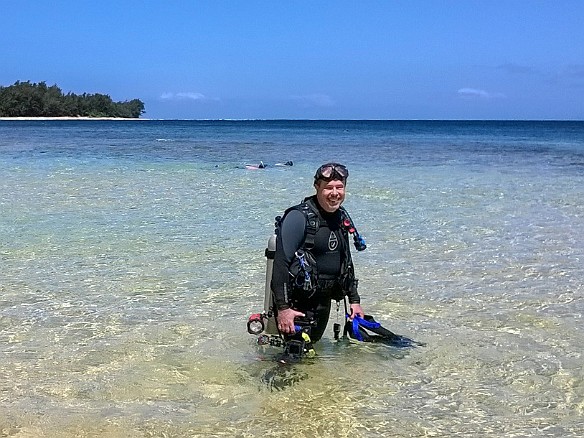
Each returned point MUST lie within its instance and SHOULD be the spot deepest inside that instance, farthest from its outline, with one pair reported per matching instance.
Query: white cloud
(321, 100)
(475, 93)
(186, 96)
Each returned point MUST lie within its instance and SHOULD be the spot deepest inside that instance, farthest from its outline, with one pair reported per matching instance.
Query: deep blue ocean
(132, 253)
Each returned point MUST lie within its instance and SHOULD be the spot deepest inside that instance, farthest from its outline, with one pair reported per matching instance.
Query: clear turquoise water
(132, 254)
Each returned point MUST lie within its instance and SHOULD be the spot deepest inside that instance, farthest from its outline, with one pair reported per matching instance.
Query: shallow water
(132, 254)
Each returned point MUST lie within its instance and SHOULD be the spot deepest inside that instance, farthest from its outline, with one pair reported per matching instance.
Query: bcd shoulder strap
(312, 221)
(312, 224)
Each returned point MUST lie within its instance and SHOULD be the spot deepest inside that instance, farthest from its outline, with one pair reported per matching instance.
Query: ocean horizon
(84, 118)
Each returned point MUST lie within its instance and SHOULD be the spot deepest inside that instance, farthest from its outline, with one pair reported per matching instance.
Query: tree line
(26, 99)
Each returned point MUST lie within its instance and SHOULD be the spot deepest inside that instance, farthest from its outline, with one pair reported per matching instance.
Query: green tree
(136, 107)
(26, 99)
(53, 102)
(100, 105)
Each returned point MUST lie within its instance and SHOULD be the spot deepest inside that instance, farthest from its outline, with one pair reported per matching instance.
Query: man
(312, 264)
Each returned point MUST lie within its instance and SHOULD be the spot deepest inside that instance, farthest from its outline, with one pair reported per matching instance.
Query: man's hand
(356, 310)
(286, 320)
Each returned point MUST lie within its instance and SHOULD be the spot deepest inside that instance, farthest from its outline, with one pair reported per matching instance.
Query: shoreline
(68, 118)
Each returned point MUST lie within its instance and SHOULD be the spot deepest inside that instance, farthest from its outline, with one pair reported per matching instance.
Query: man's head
(329, 181)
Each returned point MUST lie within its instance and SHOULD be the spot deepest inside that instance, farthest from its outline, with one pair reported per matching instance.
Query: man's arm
(290, 239)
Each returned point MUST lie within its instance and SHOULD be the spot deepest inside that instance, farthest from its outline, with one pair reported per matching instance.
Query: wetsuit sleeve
(352, 283)
(352, 293)
(289, 240)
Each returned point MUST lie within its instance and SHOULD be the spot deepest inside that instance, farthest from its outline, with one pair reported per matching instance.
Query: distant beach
(68, 118)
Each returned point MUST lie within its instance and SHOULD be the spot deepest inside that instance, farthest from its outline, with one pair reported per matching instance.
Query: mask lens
(341, 170)
(326, 171)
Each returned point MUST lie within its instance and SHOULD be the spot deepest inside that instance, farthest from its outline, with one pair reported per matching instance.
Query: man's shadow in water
(282, 376)
(288, 371)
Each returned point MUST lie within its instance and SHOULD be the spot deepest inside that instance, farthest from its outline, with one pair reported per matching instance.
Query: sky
(276, 59)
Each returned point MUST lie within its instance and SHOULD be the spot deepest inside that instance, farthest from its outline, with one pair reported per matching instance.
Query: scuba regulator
(348, 225)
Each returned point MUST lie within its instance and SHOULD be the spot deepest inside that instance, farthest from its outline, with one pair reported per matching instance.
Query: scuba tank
(265, 326)
(265, 323)
(271, 326)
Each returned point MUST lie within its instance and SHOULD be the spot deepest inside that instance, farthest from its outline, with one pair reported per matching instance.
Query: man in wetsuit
(327, 247)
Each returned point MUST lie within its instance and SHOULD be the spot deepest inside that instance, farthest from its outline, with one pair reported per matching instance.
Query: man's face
(330, 194)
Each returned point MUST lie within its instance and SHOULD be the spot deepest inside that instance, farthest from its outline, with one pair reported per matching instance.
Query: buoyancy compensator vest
(303, 271)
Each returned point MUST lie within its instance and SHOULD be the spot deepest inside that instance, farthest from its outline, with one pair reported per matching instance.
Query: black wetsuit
(333, 260)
